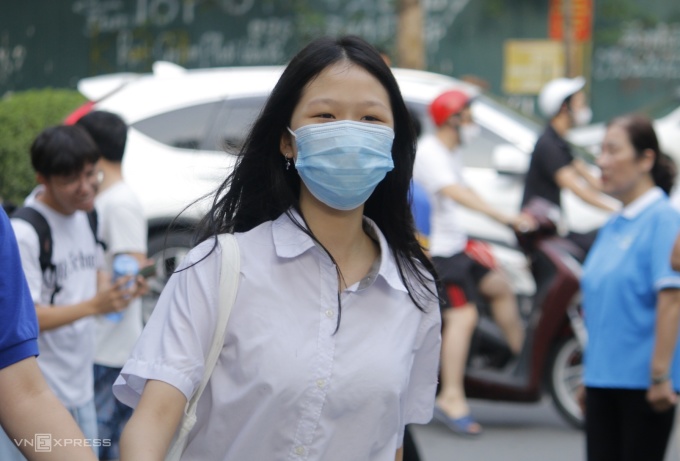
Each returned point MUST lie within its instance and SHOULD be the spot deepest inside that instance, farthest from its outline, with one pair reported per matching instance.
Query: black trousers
(621, 426)
(410, 449)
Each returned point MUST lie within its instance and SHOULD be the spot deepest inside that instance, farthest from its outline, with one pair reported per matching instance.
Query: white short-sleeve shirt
(124, 230)
(287, 385)
(66, 353)
(435, 168)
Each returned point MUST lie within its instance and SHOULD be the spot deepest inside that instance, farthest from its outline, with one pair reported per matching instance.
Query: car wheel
(167, 250)
(565, 378)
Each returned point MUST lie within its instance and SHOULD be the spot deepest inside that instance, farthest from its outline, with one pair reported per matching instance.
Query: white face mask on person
(341, 163)
(582, 116)
(469, 132)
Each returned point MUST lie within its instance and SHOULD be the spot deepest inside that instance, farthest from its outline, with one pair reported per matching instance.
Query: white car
(186, 124)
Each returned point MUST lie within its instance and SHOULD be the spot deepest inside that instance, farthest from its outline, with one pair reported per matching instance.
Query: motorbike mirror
(509, 160)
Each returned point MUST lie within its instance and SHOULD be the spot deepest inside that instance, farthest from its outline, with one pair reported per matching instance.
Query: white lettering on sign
(640, 53)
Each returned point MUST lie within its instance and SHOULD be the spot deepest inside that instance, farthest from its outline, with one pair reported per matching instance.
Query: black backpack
(42, 228)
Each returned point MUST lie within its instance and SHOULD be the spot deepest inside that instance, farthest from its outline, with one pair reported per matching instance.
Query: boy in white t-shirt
(124, 230)
(67, 296)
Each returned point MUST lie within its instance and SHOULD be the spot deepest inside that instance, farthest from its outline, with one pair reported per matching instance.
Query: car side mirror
(509, 160)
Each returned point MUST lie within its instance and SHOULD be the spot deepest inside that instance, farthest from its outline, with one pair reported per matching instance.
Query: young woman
(333, 342)
(631, 301)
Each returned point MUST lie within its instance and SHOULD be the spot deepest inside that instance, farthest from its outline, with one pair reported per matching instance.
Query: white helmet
(556, 91)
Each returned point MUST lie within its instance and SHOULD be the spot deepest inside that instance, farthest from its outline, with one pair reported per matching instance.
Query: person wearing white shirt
(67, 298)
(333, 343)
(124, 229)
(466, 267)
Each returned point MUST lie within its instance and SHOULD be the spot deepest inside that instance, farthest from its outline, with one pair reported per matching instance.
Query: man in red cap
(465, 267)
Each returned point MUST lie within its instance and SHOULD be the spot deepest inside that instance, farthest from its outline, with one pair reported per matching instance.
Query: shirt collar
(637, 206)
(290, 241)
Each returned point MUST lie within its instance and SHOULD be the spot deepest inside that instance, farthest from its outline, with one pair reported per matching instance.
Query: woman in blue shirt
(631, 301)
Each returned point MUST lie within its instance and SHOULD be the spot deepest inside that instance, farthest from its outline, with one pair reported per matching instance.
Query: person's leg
(459, 325)
(645, 432)
(86, 418)
(603, 425)
(111, 414)
(459, 319)
(498, 291)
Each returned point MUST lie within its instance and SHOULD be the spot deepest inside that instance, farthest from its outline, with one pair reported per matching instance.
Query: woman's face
(622, 170)
(342, 91)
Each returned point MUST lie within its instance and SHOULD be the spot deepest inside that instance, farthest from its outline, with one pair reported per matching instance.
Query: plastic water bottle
(123, 266)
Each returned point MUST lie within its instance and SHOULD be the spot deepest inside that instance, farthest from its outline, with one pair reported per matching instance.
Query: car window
(234, 121)
(184, 128)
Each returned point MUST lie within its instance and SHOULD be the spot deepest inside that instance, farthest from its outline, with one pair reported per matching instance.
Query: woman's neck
(637, 191)
(340, 232)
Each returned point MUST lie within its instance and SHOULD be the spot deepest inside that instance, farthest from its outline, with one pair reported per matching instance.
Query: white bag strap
(229, 278)
(229, 281)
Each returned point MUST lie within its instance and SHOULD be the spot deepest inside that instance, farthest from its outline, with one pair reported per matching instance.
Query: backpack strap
(42, 228)
(94, 225)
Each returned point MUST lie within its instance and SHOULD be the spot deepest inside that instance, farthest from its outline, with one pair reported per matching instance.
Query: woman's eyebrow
(331, 102)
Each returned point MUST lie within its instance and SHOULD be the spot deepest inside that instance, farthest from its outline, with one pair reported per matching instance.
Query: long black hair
(642, 136)
(261, 188)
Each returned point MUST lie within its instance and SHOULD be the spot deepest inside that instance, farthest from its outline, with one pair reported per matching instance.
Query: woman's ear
(647, 159)
(286, 145)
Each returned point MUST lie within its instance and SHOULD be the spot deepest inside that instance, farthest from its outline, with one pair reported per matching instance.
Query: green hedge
(23, 115)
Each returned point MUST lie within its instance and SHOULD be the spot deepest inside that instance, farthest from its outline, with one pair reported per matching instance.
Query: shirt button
(320, 383)
(329, 313)
(300, 450)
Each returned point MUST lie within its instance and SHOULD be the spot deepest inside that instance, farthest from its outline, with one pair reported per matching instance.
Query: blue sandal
(460, 426)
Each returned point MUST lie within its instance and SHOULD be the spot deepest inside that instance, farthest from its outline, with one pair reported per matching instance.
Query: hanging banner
(581, 18)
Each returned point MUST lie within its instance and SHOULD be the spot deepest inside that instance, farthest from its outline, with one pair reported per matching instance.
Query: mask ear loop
(288, 158)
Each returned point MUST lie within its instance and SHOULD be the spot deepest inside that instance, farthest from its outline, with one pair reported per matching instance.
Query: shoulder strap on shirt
(42, 228)
(229, 282)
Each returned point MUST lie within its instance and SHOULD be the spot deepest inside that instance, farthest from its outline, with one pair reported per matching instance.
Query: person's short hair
(62, 151)
(108, 131)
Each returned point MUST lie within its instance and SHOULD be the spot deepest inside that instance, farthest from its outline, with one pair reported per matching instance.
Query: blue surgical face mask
(341, 163)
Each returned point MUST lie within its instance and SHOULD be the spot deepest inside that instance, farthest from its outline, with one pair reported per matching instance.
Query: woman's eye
(324, 115)
(370, 118)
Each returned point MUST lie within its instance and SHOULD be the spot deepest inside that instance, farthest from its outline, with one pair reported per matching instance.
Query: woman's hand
(661, 396)
(581, 398)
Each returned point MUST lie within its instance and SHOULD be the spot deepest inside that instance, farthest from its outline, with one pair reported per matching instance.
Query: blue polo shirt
(627, 266)
(18, 322)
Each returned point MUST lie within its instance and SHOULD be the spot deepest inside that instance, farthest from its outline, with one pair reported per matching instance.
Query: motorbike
(544, 270)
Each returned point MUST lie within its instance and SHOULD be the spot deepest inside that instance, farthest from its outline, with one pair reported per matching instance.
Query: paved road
(512, 432)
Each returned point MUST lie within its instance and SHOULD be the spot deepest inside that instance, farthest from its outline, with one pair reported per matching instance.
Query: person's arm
(568, 177)
(111, 299)
(400, 454)
(675, 255)
(153, 424)
(29, 407)
(582, 169)
(661, 394)
(468, 198)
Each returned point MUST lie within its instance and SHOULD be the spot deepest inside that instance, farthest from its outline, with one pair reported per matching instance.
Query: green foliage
(23, 115)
